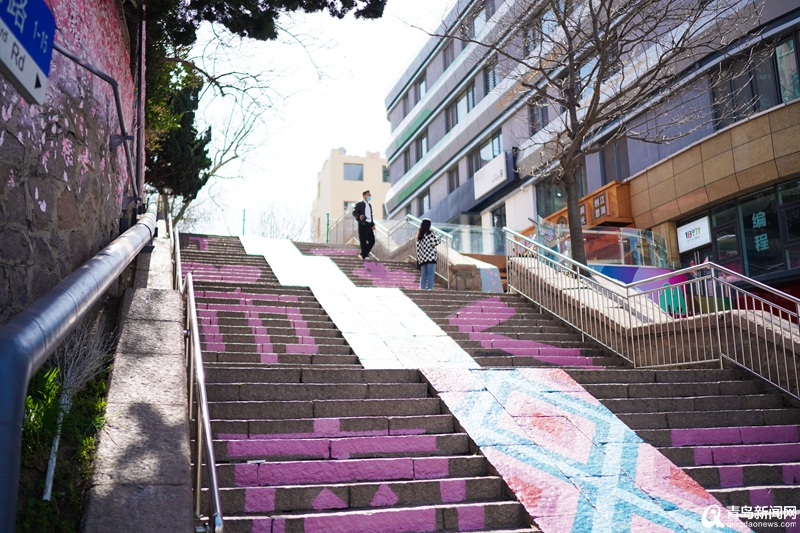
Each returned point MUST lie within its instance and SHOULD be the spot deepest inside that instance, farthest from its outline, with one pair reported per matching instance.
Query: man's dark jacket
(360, 209)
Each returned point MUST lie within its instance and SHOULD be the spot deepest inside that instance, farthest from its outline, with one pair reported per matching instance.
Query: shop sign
(490, 176)
(600, 206)
(694, 234)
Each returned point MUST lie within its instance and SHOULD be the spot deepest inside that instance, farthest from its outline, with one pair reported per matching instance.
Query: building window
(453, 181)
(787, 70)
(422, 146)
(448, 53)
(404, 105)
(353, 172)
(348, 206)
(422, 88)
(537, 116)
(463, 105)
(485, 153)
(489, 9)
(385, 174)
(426, 202)
(552, 197)
(406, 161)
(531, 36)
(499, 217)
(490, 76)
(614, 161)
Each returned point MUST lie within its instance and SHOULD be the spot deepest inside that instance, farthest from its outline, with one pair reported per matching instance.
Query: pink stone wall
(61, 186)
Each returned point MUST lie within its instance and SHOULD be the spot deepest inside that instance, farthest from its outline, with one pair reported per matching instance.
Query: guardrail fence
(203, 446)
(701, 314)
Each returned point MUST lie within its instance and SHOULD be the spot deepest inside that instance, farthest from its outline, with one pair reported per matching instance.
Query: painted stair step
(731, 476)
(256, 474)
(445, 517)
(536, 361)
(312, 391)
(663, 390)
(245, 343)
(329, 376)
(285, 359)
(215, 373)
(311, 322)
(734, 454)
(306, 346)
(697, 403)
(654, 376)
(700, 419)
(759, 495)
(359, 495)
(735, 435)
(325, 408)
(344, 448)
(308, 428)
(276, 329)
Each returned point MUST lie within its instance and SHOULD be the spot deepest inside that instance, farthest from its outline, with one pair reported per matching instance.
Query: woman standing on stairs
(427, 241)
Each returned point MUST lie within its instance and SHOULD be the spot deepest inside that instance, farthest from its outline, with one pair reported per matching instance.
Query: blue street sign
(27, 28)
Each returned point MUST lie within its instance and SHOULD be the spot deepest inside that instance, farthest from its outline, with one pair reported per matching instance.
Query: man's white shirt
(367, 212)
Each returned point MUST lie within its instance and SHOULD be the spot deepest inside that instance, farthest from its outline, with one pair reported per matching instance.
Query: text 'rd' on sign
(27, 28)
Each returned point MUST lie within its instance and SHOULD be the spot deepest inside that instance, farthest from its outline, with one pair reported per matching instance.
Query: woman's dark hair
(424, 228)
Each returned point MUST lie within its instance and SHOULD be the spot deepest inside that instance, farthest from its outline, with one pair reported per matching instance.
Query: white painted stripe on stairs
(384, 327)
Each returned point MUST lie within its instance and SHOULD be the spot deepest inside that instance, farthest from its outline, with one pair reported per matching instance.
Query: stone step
(258, 311)
(759, 495)
(222, 372)
(233, 341)
(446, 517)
(696, 403)
(341, 448)
(292, 498)
(734, 455)
(324, 408)
(654, 376)
(280, 345)
(667, 390)
(283, 358)
(710, 477)
(273, 328)
(549, 361)
(709, 419)
(345, 471)
(309, 428)
(311, 322)
(497, 340)
(249, 391)
(732, 435)
(265, 288)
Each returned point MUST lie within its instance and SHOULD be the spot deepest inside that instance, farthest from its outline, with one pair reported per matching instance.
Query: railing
(702, 314)
(29, 338)
(198, 401)
(343, 229)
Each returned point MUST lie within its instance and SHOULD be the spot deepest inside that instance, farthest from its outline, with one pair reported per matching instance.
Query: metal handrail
(705, 318)
(29, 339)
(198, 408)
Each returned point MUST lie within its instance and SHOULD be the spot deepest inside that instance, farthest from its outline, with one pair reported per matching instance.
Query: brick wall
(61, 186)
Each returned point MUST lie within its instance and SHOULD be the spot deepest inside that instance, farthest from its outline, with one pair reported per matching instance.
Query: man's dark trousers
(367, 238)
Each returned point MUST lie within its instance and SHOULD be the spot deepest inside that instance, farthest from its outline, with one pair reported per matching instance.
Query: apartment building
(339, 186)
(461, 149)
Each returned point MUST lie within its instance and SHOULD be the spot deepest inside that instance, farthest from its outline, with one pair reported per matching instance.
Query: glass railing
(607, 245)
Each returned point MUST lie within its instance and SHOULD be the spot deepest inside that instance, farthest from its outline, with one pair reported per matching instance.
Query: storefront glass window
(792, 218)
(727, 246)
(789, 192)
(761, 237)
(722, 214)
(793, 257)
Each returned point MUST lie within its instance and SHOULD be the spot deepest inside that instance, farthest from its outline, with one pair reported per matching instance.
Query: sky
(360, 60)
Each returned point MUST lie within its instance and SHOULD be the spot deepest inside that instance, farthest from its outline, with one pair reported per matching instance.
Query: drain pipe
(115, 140)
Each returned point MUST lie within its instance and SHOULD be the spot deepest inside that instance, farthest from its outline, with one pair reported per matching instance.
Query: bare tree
(599, 66)
(282, 221)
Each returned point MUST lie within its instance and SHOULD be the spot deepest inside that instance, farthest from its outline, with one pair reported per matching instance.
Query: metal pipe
(29, 338)
(115, 86)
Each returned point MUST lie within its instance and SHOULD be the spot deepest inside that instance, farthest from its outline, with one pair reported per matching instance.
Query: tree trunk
(574, 220)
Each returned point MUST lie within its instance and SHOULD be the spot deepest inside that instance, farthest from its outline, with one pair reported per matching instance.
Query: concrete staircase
(369, 273)
(306, 440)
(733, 433)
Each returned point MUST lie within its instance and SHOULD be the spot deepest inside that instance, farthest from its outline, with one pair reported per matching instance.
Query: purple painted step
(382, 276)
